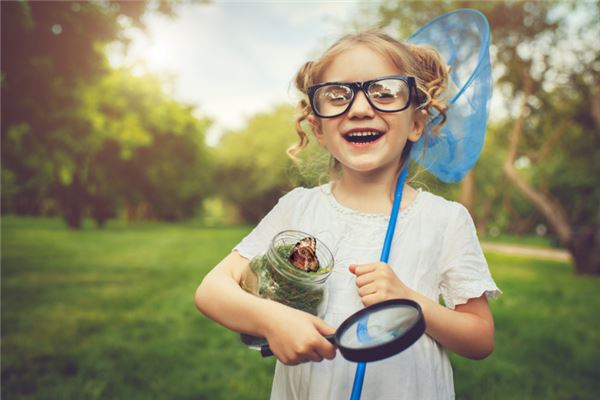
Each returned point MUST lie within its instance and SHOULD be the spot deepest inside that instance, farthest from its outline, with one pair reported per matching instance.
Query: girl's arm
(468, 330)
(294, 336)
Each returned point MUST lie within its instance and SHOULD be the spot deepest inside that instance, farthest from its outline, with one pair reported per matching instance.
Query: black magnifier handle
(265, 350)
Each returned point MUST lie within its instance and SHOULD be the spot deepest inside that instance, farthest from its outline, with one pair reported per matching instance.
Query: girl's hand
(377, 282)
(296, 336)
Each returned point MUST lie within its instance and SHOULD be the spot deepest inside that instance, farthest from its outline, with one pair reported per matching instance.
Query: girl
(369, 99)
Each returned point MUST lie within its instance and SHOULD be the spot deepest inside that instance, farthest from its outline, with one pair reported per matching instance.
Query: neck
(369, 193)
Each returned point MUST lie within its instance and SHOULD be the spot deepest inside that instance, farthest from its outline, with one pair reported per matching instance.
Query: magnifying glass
(376, 332)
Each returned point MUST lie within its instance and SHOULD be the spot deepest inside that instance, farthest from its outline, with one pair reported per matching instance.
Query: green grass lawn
(109, 314)
(526, 240)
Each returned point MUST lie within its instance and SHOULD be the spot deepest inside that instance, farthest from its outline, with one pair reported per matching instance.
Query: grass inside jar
(287, 284)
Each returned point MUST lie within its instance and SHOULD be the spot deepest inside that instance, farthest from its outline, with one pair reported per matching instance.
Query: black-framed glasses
(387, 94)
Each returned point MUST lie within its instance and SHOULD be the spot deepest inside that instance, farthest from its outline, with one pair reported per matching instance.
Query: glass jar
(272, 276)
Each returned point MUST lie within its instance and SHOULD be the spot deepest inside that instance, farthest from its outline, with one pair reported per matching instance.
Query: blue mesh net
(462, 38)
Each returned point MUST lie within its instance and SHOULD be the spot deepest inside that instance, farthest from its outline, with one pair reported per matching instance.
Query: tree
(83, 137)
(50, 50)
(553, 131)
(252, 169)
(151, 151)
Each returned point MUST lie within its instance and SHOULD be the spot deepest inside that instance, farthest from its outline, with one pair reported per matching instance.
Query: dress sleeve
(465, 273)
(276, 220)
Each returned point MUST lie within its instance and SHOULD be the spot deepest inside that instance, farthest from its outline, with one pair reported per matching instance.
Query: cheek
(328, 128)
(401, 124)
(409, 127)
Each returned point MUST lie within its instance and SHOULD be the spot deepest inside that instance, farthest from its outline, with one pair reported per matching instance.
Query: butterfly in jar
(304, 255)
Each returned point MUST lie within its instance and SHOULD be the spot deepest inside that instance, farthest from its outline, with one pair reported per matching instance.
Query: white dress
(435, 252)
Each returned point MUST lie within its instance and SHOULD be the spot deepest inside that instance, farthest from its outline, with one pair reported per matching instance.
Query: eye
(382, 92)
(335, 94)
(388, 91)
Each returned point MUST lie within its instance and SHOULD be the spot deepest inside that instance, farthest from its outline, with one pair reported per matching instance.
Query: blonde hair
(422, 62)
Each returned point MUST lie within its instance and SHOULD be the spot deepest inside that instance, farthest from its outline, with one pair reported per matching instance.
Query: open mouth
(363, 137)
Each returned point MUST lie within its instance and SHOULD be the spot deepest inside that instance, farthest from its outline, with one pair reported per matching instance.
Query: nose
(361, 108)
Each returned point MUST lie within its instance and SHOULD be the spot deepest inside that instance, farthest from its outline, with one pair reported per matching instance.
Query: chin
(366, 167)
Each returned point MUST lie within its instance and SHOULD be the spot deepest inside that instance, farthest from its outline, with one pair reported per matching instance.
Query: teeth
(357, 134)
(363, 137)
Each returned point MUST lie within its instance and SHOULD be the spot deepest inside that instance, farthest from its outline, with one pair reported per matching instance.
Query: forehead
(359, 63)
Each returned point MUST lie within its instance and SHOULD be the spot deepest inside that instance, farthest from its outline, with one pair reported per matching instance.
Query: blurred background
(142, 140)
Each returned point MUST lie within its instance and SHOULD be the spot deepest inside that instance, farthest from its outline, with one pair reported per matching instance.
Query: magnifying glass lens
(379, 327)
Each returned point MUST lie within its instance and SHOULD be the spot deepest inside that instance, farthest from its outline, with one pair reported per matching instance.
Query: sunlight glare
(159, 56)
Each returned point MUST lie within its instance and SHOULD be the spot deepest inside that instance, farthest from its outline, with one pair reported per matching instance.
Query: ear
(315, 125)
(418, 125)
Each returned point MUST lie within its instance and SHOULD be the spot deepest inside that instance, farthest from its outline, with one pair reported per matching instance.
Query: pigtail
(432, 80)
(303, 81)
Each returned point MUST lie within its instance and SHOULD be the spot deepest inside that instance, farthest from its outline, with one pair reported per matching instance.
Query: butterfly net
(462, 38)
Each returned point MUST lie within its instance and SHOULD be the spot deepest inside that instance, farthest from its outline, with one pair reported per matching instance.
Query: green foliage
(498, 205)
(570, 172)
(78, 137)
(252, 168)
(109, 314)
(153, 145)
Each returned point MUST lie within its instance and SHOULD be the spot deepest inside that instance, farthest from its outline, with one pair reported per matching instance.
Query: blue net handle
(361, 367)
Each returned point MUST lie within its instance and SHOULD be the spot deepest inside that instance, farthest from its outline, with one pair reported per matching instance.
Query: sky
(233, 59)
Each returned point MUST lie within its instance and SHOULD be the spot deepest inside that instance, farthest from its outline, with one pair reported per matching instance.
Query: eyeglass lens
(384, 95)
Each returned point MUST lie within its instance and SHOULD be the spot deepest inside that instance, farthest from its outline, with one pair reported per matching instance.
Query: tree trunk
(467, 192)
(595, 109)
(485, 216)
(71, 201)
(584, 244)
(585, 249)
(73, 218)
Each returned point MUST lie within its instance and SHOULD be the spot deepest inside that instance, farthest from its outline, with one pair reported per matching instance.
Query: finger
(296, 362)
(325, 348)
(328, 353)
(288, 359)
(368, 289)
(371, 299)
(365, 279)
(323, 327)
(300, 356)
(359, 270)
(313, 356)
